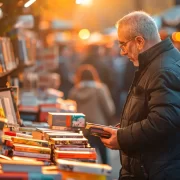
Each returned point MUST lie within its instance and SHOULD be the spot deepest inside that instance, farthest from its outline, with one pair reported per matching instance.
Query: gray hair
(139, 23)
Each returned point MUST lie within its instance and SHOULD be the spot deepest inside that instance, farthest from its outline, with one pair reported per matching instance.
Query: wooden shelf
(7, 73)
(19, 67)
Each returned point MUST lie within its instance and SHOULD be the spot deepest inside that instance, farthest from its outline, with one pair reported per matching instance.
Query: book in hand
(97, 130)
(84, 167)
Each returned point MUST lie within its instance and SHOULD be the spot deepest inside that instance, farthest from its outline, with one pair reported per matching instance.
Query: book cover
(2, 110)
(84, 167)
(66, 175)
(76, 120)
(21, 166)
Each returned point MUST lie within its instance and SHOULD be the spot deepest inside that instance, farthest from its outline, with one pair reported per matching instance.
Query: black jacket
(149, 137)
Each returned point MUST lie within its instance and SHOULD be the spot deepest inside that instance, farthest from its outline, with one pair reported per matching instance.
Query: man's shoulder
(167, 60)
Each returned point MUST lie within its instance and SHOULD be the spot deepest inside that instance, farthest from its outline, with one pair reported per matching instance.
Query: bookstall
(41, 135)
(58, 150)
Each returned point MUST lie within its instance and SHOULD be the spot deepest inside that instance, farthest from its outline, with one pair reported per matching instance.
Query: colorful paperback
(84, 167)
(63, 134)
(75, 120)
(32, 142)
(21, 166)
(68, 141)
(32, 149)
(28, 154)
(75, 154)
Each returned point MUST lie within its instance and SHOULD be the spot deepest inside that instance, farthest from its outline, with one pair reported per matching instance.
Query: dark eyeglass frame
(122, 45)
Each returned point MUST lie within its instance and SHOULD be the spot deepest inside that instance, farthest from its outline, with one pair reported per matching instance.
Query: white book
(21, 166)
(8, 110)
(28, 154)
(85, 167)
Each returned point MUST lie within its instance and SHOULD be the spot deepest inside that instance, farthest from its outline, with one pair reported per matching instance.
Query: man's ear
(140, 42)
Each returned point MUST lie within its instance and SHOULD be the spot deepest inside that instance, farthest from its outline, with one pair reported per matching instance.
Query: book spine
(14, 175)
(76, 149)
(33, 176)
(64, 136)
(61, 128)
(86, 169)
(8, 143)
(29, 142)
(69, 146)
(28, 154)
(32, 150)
(70, 142)
(23, 135)
(74, 156)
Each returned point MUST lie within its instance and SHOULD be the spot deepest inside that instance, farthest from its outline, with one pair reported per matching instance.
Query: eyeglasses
(123, 45)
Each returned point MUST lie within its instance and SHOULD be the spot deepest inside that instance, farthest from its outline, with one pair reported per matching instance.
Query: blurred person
(65, 69)
(149, 134)
(93, 58)
(94, 100)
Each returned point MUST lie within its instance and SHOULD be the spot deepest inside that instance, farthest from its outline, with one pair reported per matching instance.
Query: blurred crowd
(115, 71)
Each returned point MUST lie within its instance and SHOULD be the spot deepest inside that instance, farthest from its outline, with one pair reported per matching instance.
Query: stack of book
(65, 139)
(75, 148)
(26, 147)
(83, 170)
(26, 170)
(42, 133)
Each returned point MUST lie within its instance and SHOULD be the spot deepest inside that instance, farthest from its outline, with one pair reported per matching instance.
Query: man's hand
(112, 142)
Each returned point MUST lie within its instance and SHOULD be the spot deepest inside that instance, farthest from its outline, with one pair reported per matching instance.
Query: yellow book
(32, 142)
(32, 149)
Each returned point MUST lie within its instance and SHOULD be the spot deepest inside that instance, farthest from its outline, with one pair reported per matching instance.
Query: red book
(13, 175)
(10, 133)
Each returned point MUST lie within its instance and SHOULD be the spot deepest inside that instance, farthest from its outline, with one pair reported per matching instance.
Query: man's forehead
(122, 34)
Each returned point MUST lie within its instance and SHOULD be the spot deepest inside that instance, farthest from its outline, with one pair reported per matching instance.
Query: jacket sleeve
(163, 118)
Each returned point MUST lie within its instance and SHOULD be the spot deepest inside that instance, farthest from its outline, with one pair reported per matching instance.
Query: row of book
(69, 151)
(64, 170)
(7, 58)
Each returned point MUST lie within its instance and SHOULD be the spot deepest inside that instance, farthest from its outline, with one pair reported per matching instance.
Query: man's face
(130, 47)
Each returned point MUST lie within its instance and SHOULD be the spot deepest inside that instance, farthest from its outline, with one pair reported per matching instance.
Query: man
(149, 133)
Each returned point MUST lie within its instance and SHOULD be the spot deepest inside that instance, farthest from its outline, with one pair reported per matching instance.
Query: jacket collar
(147, 56)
